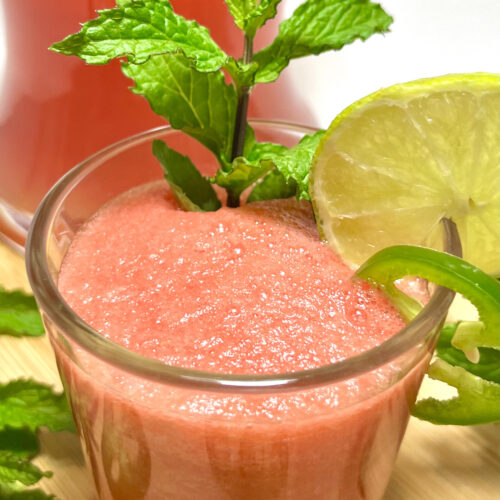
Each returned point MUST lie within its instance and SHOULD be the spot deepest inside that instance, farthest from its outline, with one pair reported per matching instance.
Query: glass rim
(54, 306)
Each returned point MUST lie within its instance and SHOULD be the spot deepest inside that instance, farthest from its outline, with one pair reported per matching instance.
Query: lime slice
(393, 164)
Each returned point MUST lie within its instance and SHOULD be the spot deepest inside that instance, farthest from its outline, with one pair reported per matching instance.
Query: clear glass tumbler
(153, 431)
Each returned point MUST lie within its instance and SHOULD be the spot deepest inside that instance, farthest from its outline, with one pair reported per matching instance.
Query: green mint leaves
(294, 163)
(250, 15)
(202, 105)
(25, 403)
(16, 467)
(15, 493)
(477, 381)
(139, 30)
(19, 315)
(192, 191)
(281, 172)
(25, 406)
(183, 74)
(318, 26)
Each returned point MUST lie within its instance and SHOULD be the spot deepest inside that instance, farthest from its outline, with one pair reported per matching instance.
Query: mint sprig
(200, 104)
(139, 30)
(25, 406)
(182, 73)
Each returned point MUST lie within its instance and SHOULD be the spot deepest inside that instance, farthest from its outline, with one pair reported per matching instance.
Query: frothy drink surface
(247, 291)
(241, 291)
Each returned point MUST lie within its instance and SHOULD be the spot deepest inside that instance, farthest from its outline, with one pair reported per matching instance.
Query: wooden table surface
(434, 463)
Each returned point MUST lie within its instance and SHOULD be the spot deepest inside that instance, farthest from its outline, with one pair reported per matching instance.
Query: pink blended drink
(248, 291)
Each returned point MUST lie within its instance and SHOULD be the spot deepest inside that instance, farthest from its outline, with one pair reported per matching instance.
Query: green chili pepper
(478, 399)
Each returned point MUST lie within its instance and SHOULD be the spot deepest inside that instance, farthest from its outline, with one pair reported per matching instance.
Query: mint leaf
(21, 442)
(24, 406)
(250, 15)
(191, 189)
(242, 175)
(272, 187)
(243, 75)
(260, 151)
(139, 30)
(15, 468)
(295, 163)
(488, 366)
(17, 447)
(478, 400)
(250, 141)
(26, 403)
(261, 159)
(317, 26)
(11, 492)
(199, 104)
(246, 171)
(19, 314)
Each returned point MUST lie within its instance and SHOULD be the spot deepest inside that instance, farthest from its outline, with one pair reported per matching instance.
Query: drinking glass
(154, 431)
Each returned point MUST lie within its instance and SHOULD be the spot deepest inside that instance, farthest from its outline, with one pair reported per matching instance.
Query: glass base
(14, 226)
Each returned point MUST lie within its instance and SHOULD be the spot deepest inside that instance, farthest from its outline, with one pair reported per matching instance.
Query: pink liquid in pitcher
(239, 291)
(55, 111)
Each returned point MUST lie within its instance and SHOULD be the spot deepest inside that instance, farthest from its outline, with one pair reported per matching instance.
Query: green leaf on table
(478, 400)
(9, 491)
(488, 365)
(26, 403)
(250, 15)
(141, 29)
(317, 26)
(19, 314)
(17, 448)
(273, 186)
(22, 442)
(200, 104)
(15, 468)
(193, 192)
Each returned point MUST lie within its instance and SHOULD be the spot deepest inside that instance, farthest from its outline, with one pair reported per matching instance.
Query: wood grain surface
(434, 463)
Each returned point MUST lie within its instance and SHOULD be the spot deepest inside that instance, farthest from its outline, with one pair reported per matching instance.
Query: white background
(427, 38)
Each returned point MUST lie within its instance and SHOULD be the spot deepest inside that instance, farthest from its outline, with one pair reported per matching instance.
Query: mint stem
(233, 200)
